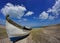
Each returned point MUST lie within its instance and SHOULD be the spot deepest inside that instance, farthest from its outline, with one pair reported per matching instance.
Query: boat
(15, 31)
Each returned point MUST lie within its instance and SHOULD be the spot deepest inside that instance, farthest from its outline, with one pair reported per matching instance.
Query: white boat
(15, 31)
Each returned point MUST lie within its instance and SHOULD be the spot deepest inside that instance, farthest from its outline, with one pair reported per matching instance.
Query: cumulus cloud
(25, 19)
(13, 10)
(55, 10)
(43, 15)
(29, 13)
(51, 17)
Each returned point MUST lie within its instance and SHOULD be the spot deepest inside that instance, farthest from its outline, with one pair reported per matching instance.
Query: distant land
(44, 26)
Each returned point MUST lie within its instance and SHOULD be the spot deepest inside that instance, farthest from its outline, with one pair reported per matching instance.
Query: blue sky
(34, 12)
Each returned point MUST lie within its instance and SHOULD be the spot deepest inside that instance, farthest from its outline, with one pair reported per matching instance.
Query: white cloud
(29, 13)
(13, 10)
(51, 17)
(55, 10)
(25, 19)
(43, 15)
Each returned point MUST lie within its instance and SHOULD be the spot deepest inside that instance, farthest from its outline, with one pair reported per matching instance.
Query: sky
(31, 12)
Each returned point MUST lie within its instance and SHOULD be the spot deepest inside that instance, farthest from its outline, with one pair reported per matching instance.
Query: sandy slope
(3, 33)
(49, 34)
(6, 40)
